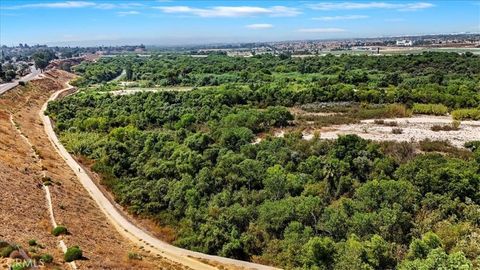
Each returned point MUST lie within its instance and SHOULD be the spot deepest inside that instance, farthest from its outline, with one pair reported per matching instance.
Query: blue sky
(171, 22)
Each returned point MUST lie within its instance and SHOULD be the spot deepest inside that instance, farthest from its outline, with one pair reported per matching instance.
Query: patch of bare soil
(410, 129)
(415, 128)
(23, 206)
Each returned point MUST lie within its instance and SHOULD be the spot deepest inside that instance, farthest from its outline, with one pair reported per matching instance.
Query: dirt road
(122, 224)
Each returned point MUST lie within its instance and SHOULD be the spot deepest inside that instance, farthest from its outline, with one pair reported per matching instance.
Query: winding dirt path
(125, 226)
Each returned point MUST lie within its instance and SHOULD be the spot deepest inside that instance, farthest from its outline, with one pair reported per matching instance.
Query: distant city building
(404, 42)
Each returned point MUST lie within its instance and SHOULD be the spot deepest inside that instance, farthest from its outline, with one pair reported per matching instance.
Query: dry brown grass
(23, 211)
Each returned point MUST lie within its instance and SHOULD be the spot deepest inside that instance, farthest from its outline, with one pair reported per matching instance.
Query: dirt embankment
(23, 209)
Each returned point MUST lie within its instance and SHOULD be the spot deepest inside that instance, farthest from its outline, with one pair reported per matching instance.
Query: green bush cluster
(5, 251)
(73, 253)
(59, 230)
(20, 266)
(465, 114)
(435, 109)
(46, 258)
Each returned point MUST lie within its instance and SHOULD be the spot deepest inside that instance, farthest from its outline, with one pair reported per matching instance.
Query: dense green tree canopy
(188, 160)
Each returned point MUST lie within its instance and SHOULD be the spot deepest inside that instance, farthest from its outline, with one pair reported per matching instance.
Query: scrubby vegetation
(134, 256)
(350, 113)
(436, 78)
(466, 114)
(455, 125)
(6, 249)
(59, 230)
(46, 258)
(397, 131)
(385, 123)
(435, 109)
(187, 161)
(73, 253)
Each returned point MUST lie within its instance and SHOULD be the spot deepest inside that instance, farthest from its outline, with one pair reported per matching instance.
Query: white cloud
(118, 5)
(231, 11)
(126, 13)
(321, 30)
(75, 4)
(259, 26)
(66, 4)
(339, 18)
(369, 5)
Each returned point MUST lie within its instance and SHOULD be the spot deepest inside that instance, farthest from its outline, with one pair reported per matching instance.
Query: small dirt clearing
(415, 128)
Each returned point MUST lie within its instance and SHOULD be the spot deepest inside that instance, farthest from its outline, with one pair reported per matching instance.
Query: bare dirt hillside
(23, 211)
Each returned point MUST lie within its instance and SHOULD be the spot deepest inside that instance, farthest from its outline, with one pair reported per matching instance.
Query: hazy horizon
(176, 23)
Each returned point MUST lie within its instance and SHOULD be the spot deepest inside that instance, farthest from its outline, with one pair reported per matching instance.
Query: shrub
(473, 145)
(20, 266)
(46, 258)
(428, 145)
(462, 114)
(385, 123)
(134, 256)
(435, 109)
(400, 151)
(455, 125)
(73, 253)
(397, 130)
(46, 179)
(5, 252)
(3, 244)
(32, 242)
(397, 110)
(444, 146)
(59, 230)
(388, 111)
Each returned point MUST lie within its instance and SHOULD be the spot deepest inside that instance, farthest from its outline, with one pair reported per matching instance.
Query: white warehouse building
(404, 42)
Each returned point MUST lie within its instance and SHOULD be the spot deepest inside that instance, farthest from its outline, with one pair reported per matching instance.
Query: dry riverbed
(414, 128)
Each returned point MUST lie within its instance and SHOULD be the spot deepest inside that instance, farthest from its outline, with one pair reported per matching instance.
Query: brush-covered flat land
(200, 162)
